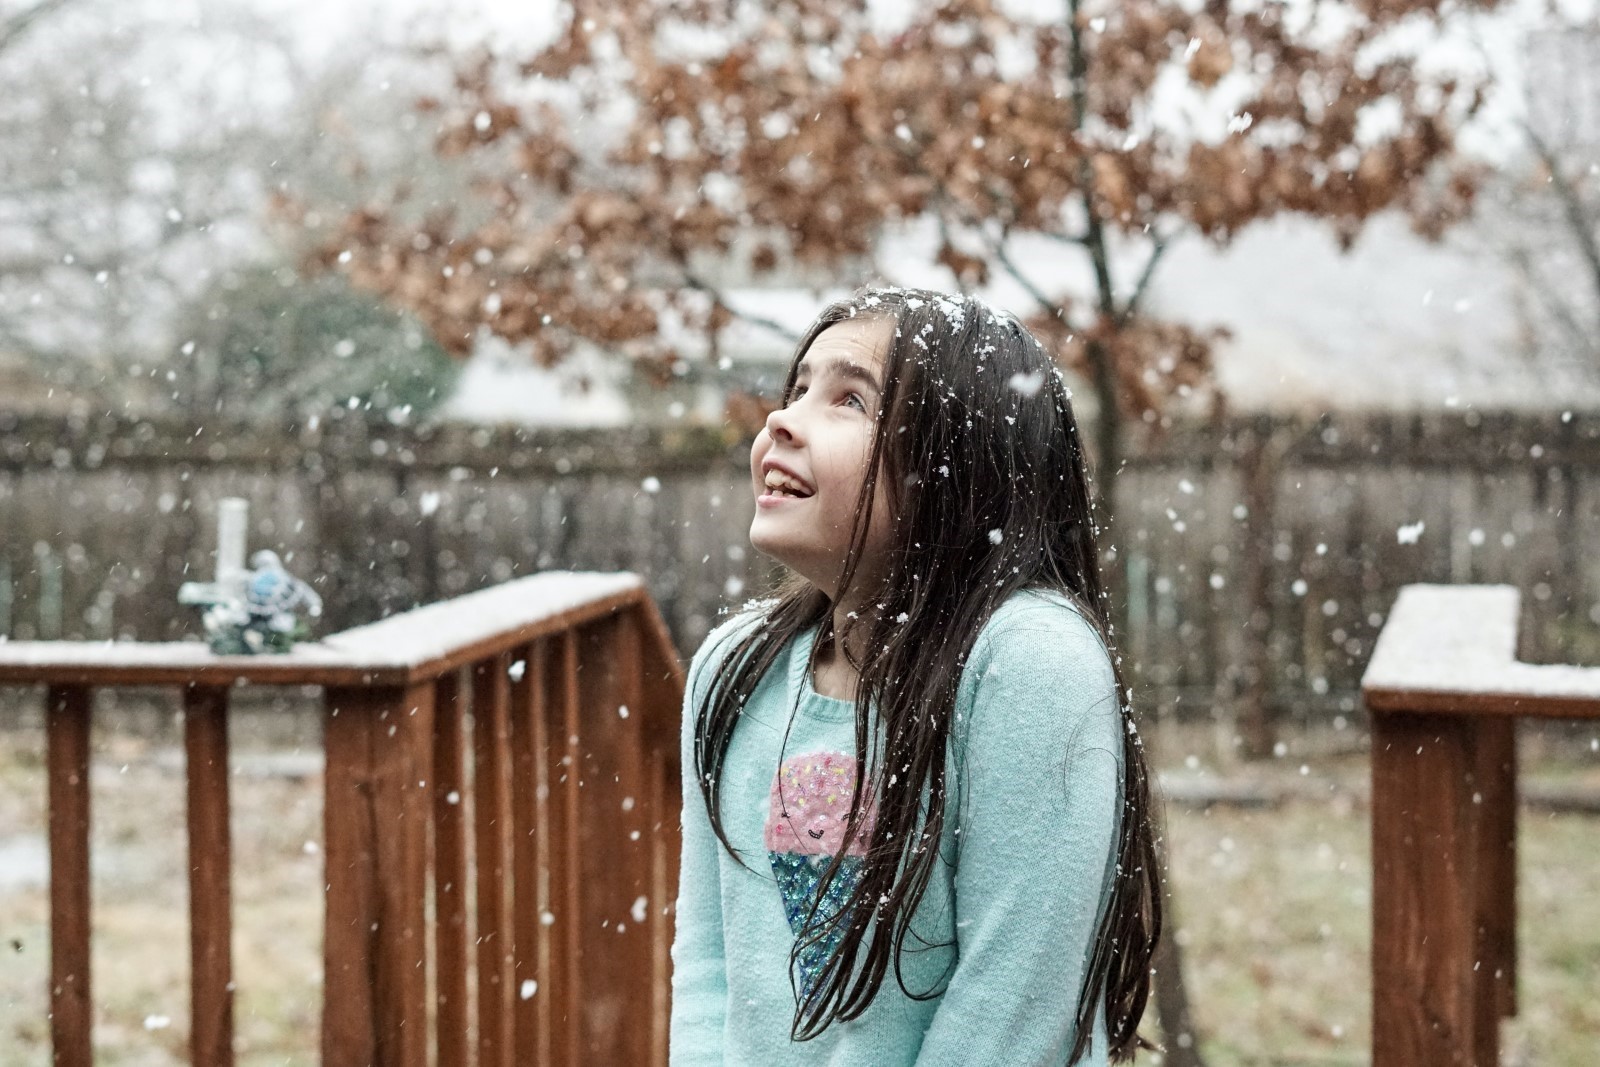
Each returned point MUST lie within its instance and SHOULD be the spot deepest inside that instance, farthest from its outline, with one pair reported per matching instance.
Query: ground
(1274, 899)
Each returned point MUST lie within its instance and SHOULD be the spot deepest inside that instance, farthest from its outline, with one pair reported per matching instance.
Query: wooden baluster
(551, 703)
(563, 870)
(450, 872)
(376, 817)
(205, 733)
(491, 726)
(67, 767)
(527, 740)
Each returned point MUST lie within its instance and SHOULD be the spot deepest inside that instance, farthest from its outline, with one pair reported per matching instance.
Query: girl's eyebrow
(842, 368)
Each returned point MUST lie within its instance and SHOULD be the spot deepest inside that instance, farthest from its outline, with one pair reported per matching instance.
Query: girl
(918, 752)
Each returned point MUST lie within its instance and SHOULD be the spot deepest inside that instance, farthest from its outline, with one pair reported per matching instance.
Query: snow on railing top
(383, 651)
(436, 630)
(1453, 648)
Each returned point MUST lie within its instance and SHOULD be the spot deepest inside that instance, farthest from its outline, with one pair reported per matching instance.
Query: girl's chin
(778, 549)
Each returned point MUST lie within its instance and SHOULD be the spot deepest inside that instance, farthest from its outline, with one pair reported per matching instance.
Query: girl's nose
(780, 423)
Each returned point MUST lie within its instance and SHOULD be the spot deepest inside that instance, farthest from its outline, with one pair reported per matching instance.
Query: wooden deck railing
(571, 778)
(1445, 689)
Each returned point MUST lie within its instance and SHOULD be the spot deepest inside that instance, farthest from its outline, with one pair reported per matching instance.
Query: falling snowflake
(1027, 384)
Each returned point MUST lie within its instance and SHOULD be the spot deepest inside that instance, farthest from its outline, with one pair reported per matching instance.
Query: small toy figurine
(250, 611)
(272, 599)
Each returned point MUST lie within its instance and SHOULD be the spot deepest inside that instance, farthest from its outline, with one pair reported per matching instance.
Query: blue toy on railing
(250, 611)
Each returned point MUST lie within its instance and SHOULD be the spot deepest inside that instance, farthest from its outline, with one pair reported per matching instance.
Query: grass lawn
(1273, 909)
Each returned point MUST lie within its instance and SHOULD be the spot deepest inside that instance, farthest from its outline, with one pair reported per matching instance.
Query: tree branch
(700, 285)
(1522, 258)
(1132, 306)
(12, 29)
(1080, 240)
(1584, 230)
(1004, 259)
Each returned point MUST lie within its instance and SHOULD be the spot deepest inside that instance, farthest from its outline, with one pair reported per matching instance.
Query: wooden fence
(1263, 552)
(559, 813)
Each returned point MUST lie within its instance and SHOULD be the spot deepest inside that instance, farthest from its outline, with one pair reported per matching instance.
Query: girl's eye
(796, 392)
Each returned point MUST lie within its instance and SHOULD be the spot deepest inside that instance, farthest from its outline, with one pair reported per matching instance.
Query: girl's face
(822, 437)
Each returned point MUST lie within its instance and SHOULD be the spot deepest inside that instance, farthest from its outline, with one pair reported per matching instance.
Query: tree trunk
(1178, 1034)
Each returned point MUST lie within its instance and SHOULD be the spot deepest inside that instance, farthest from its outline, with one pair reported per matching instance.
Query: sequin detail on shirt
(807, 811)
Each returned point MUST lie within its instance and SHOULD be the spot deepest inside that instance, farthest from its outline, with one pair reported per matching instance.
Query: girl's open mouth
(779, 488)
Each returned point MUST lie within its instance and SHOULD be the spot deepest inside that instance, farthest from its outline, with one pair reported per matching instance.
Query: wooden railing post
(205, 731)
(376, 818)
(67, 761)
(1445, 691)
(1425, 826)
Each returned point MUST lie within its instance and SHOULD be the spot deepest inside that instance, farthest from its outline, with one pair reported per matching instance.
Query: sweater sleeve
(699, 971)
(1039, 776)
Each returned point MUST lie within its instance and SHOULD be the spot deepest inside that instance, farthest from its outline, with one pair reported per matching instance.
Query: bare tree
(1544, 210)
(139, 155)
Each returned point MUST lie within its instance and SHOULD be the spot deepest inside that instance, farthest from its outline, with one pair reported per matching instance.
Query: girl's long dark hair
(975, 434)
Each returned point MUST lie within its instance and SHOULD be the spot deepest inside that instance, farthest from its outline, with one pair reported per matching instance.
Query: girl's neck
(830, 655)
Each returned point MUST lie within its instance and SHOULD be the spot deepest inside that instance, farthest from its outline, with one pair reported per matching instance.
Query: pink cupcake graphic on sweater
(807, 811)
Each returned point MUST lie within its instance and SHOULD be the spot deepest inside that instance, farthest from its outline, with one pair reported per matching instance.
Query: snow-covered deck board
(1450, 648)
(396, 650)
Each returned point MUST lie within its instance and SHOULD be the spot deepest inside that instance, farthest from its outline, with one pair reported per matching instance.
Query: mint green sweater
(1028, 853)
